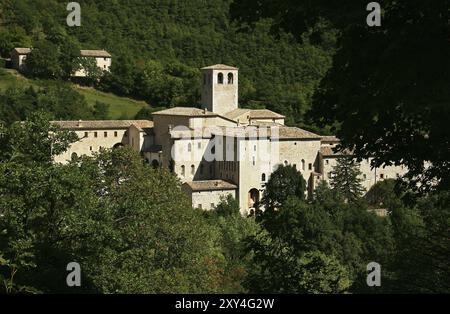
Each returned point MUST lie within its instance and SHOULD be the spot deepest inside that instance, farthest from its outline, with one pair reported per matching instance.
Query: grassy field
(119, 107)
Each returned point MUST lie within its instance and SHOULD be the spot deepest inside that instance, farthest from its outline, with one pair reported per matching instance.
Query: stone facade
(102, 59)
(222, 149)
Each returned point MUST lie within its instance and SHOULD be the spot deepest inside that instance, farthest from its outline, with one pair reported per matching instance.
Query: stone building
(98, 134)
(18, 58)
(220, 149)
(102, 58)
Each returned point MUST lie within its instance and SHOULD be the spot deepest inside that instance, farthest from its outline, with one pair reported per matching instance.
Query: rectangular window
(115, 133)
(86, 134)
(327, 162)
(90, 148)
(95, 134)
(105, 134)
(381, 176)
(310, 166)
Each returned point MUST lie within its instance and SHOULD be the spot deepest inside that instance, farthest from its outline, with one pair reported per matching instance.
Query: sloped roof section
(219, 67)
(103, 124)
(22, 51)
(185, 111)
(285, 132)
(264, 114)
(208, 185)
(252, 114)
(95, 53)
(236, 113)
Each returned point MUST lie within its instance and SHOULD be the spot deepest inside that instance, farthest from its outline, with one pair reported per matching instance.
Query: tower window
(263, 177)
(230, 78)
(220, 78)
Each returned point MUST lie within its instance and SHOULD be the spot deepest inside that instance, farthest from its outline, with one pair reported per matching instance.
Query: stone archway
(155, 164)
(253, 198)
(118, 145)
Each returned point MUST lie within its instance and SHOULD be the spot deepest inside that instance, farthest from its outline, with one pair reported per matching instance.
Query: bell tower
(220, 88)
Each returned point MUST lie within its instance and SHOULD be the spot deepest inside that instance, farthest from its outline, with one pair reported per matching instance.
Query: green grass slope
(119, 107)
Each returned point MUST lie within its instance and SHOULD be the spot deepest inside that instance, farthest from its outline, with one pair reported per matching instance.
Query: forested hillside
(159, 46)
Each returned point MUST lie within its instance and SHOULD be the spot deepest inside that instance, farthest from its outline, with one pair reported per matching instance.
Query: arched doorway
(155, 164)
(253, 198)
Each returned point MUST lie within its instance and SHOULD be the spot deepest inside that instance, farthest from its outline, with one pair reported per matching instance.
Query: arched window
(220, 78)
(263, 177)
(183, 170)
(192, 169)
(230, 78)
(303, 164)
(74, 156)
(189, 147)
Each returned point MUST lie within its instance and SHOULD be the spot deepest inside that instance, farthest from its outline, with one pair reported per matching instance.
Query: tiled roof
(210, 185)
(185, 111)
(234, 114)
(294, 132)
(219, 67)
(328, 151)
(252, 114)
(22, 51)
(103, 124)
(330, 138)
(95, 53)
(264, 114)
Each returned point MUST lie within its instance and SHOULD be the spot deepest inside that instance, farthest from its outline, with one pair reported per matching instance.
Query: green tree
(101, 111)
(278, 268)
(346, 179)
(43, 61)
(284, 182)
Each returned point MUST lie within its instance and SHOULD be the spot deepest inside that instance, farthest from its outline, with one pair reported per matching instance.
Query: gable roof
(185, 111)
(208, 185)
(219, 67)
(95, 53)
(286, 132)
(264, 113)
(103, 124)
(252, 114)
(22, 51)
